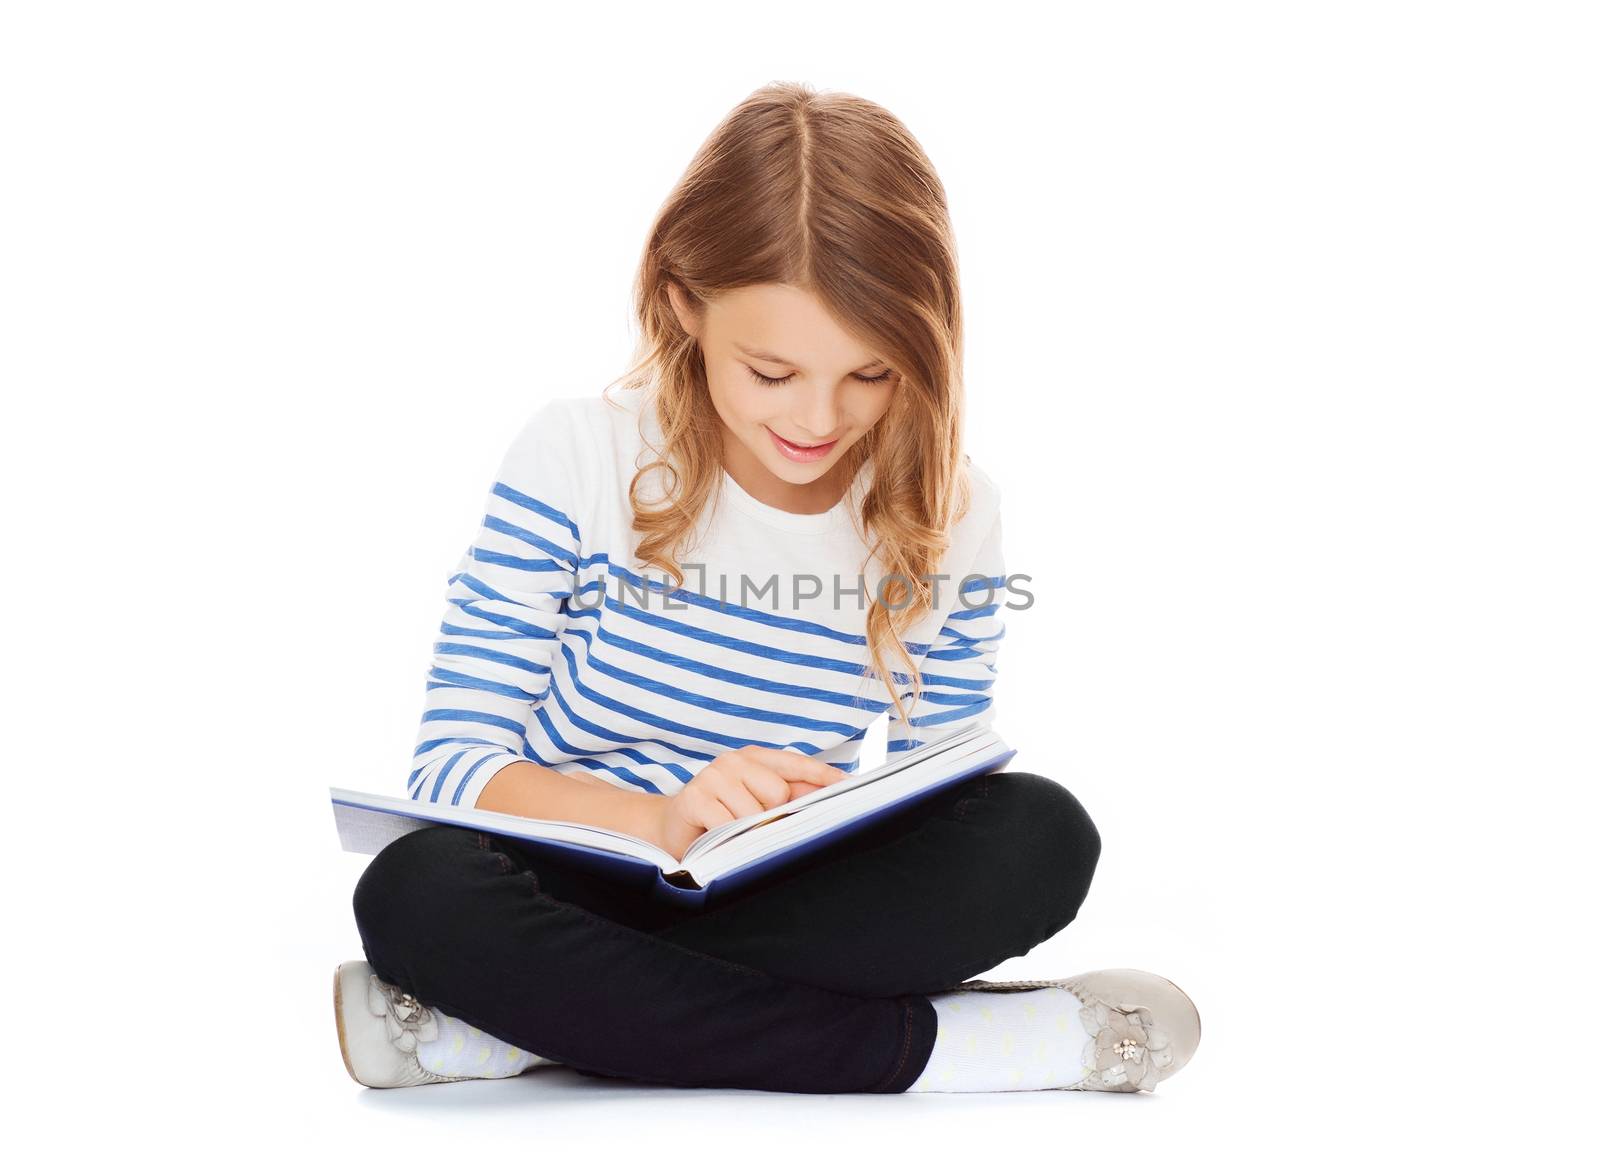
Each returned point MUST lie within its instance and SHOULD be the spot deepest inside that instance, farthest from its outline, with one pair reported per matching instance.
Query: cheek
(869, 408)
(736, 401)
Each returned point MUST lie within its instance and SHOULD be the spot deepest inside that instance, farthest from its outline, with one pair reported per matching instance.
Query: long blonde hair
(828, 193)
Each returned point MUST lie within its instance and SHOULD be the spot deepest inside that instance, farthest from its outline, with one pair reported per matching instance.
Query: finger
(763, 783)
(794, 766)
(741, 793)
(708, 811)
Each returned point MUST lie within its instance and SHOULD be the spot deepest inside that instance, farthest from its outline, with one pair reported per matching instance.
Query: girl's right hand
(736, 784)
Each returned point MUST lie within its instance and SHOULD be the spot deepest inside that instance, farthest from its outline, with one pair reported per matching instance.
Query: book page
(955, 762)
(367, 821)
(715, 837)
(364, 830)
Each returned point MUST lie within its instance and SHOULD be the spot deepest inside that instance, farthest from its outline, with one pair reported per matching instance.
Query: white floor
(1254, 1099)
(1275, 1084)
(1362, 1012)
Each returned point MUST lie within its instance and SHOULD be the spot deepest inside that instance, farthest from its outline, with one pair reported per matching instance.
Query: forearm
(527, 789)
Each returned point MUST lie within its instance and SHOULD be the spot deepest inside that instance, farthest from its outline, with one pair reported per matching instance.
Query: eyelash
(772, 383)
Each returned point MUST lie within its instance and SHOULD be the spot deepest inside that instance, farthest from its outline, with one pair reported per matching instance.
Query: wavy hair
(828, 193)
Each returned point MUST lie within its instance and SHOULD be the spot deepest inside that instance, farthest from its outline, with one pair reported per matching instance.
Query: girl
(787, 448)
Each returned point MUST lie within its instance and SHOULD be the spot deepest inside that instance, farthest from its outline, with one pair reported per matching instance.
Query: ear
(688, 320)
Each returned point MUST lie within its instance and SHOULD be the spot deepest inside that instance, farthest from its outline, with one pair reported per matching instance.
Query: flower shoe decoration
(1126, 1051)
(405, 1019)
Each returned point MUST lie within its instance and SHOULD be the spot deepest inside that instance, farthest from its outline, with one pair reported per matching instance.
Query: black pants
(812, 981)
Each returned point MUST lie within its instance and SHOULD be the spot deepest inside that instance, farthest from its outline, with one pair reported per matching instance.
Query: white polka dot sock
(998, 1041)
(460, 1050)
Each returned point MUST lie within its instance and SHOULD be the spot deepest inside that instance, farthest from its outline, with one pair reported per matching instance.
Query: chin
(802, 476)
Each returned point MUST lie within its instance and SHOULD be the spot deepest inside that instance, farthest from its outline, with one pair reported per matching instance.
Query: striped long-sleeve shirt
(558, 647)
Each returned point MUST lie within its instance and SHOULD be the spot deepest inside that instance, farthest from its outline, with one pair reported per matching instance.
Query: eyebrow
(769, 358)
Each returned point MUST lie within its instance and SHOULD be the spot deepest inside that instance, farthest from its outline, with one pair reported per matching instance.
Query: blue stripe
(612, 735)
(770, 652)
(621, 773)
(517, 562)
(519, 627)
(715, 705)
(955, 654)
(479, 634)
(951, 715)
(435, 743)
(498, 525)
(678, 771)
(809, 693)
(953, 699)
(443, 678)
(974, 613)
(486, 592)
(531, 503)
(499, 658)
(957, 682)
(973, 582)
(968, 634)
(438, 779)
(656, 720)
(467, 778)
(637, 756)
(474, 716)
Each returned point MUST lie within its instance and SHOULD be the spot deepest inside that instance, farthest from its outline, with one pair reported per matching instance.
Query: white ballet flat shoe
(380, 1027)
(1142, 1028)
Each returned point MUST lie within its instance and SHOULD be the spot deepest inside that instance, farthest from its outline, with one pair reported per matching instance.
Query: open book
(723, 859)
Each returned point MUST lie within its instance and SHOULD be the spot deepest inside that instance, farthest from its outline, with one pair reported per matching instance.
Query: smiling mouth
(798, 445)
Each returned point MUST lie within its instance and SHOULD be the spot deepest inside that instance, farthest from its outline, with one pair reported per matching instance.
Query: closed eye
(772, 383)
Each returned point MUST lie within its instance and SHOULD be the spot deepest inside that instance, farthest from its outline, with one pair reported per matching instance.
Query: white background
(1282, 345)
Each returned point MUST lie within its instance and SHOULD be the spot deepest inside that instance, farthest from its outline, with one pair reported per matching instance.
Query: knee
(1056, 839)
(408, 880)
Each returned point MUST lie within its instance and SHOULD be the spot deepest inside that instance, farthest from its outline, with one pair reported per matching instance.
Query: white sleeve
(505, 607)
(959, 670)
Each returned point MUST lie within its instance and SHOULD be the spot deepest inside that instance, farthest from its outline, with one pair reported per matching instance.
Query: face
(793, 389)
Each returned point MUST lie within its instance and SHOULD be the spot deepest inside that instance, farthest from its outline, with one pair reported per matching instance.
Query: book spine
(679, 889)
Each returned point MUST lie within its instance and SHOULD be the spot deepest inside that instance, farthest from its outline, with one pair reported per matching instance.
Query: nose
(817, 414)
